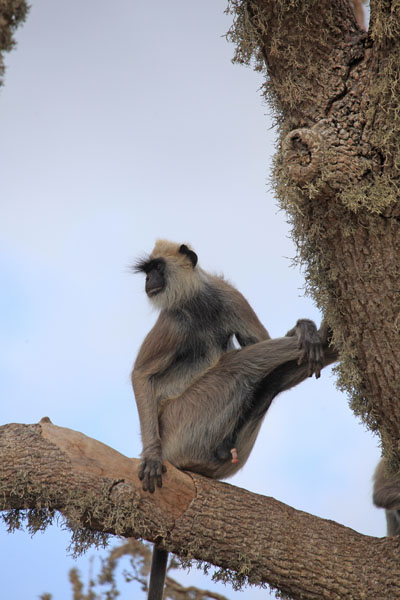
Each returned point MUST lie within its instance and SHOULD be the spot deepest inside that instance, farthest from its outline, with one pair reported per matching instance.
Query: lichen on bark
(334, 91)
(12, 14)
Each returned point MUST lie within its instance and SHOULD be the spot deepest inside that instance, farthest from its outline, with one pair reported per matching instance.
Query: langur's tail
(157, 573)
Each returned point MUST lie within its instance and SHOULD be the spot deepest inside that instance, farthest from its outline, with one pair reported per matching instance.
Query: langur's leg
(223, 410)
(196, 423)
(279, 380)
(283, 378)
(393, 522)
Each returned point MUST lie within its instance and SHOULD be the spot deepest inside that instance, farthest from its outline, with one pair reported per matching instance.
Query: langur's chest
(202, 332)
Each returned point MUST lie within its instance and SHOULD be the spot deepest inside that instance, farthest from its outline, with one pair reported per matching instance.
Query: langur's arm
(154, 357)
(247, 326)
(146, 402)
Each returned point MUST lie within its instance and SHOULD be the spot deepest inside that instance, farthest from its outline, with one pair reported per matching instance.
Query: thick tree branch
(259, 538)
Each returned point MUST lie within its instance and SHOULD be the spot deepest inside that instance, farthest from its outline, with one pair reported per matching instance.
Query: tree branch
(260, 539)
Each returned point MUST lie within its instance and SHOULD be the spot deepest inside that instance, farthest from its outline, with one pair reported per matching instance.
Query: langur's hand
(150, 472)
(310, 344)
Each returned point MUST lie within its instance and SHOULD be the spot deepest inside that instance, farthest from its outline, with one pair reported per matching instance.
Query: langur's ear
(192, 256)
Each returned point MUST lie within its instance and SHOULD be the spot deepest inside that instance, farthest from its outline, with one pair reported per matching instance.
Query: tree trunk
(335, 90)
(49, 468)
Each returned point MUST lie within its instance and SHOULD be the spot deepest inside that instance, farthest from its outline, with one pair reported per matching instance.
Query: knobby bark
(48, 467)
(335, 91)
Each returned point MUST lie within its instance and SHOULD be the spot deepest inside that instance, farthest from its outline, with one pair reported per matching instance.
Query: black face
(155, 279)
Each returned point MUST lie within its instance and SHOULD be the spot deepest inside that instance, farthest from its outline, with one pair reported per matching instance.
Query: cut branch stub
(302, 155)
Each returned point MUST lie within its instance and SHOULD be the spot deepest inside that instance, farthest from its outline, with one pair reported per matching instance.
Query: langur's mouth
(154, 291)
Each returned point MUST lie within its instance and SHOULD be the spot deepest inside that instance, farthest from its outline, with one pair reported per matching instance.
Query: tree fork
(259, 538)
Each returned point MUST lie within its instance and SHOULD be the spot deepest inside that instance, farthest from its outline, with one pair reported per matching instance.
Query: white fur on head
(181, 278)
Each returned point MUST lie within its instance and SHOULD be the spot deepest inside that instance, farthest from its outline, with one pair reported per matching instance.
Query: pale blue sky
(122, 122)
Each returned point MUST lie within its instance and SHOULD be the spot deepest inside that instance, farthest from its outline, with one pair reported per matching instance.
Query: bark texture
(261, 539)
(335, 91)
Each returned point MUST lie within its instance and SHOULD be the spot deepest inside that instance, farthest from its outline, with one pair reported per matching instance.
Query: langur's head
(172, 275)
